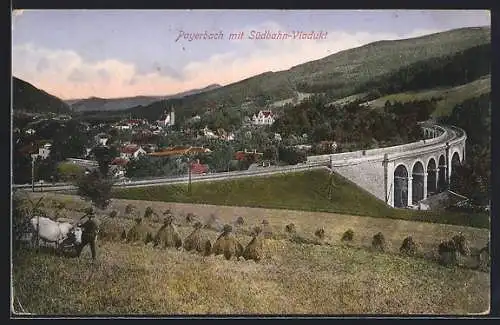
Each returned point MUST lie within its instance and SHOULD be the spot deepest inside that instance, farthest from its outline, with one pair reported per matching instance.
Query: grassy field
(291, 279)
(448, 97)
(295, 191)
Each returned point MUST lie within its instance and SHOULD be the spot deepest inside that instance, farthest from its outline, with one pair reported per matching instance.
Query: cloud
(66, 74)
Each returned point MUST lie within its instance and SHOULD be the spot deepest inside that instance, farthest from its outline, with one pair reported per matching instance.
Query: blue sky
(117, 53)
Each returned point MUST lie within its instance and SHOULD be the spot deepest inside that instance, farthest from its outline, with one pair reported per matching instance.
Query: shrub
(113, 214)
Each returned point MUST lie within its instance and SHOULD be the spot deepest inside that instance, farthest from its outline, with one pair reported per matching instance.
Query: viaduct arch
(403, 175)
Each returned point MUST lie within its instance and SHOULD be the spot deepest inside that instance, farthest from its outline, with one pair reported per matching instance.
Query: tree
(96, 188)
(104, 156)
(220, 157)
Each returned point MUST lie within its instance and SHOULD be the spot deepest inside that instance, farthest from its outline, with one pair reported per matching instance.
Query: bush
(113, 214)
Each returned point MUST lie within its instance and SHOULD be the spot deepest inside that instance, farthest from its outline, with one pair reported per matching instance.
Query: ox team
(64, 233)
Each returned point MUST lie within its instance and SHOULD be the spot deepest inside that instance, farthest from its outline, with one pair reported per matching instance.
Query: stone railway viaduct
(403, 175)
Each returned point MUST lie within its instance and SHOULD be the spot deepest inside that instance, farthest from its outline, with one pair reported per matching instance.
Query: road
(182, 179)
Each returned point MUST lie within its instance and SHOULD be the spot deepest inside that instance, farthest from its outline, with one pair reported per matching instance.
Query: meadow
(306, 191)
(292, 278)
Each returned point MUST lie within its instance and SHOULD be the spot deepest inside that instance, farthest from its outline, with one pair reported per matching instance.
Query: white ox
(53, 231)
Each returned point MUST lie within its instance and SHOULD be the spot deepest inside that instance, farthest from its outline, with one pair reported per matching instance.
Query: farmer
(90, 230)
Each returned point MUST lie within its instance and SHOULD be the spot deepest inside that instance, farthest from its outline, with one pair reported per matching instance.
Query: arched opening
(455, 160)
(442, 174)
(401, 187)
(418, 182)
(431, 177)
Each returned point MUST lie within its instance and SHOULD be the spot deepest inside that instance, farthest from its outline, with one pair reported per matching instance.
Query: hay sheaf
(239, 221)
(290, 228)
(409, 247)
(167, 235)
(379, 243)
(449, 251)
(347, 236)
(267, 229)
(484, 258)
(197, 241)
(320, 233)
(254, 249)
(462, 244)
(227, 245)
(110, 230)
(140, 232)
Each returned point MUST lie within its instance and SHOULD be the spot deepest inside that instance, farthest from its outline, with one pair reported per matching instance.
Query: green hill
(307, 191)
(28, 98)
(448, 97)
(339, 75)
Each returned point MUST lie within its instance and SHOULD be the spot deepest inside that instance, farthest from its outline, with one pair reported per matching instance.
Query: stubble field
(293, 278)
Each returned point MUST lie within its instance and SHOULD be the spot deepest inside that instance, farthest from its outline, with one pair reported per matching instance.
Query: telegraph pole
(33, 172)
(189, 175)
(330, 185)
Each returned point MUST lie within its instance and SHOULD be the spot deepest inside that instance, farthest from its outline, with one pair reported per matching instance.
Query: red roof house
(119, 162)
(197, 168)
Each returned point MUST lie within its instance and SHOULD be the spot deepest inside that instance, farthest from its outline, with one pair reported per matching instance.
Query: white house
(102, 139)
(208, 133)
(30, 131)
(263, 118)
(44, 151)
(123, 127)
(169, 119)
(131, 151)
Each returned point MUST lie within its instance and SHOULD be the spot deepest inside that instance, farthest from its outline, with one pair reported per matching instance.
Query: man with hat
(90, 230)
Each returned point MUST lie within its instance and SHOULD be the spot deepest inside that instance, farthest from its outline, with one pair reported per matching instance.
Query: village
(252, 145)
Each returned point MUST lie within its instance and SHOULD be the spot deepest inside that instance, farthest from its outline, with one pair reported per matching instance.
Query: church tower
(172, 116)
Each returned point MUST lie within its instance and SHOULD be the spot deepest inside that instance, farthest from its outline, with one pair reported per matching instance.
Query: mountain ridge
(122, 103)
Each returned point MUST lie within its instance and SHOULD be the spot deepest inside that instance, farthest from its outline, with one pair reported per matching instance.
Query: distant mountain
(116, 104)
(338, 75)
(27, 97)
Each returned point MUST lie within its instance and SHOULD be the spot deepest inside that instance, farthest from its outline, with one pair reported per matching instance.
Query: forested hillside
(28, 98)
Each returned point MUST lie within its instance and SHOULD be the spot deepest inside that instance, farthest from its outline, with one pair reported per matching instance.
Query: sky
(123, 53)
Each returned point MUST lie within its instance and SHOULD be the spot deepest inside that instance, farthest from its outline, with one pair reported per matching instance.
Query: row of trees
(354, 123)
(452, 70)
